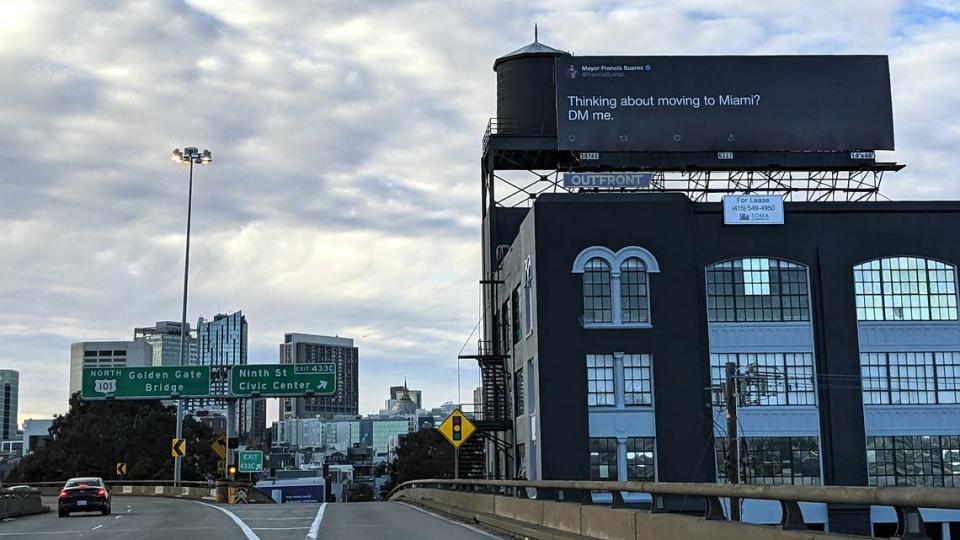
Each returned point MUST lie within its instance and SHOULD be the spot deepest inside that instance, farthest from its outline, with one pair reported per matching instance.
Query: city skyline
(353, 229)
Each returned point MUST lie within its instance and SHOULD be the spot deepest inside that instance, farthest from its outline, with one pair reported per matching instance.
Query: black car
(83, 495)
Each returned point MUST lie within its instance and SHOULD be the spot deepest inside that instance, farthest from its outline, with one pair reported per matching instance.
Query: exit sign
(250, 461)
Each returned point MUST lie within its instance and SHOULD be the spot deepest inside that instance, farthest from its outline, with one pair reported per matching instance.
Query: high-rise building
(106, 354)
(164, 337)
(222, 343)
(9, 393)
(253, 422)
(415, 395)
(314, 349)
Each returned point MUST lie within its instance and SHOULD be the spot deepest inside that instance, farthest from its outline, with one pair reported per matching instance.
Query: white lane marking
(247, 531)
(279, 528)
(474, 529)
(315, 526)
(97, 527)
(118, 517)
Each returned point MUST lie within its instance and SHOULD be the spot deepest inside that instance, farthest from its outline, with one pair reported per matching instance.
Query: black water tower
(526, 100)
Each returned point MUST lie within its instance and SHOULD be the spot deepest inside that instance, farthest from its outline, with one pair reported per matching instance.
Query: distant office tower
(9, 392)
(106, 354)
(164, 337)
(222, 343)
(313, 349)
(478, 402)
(253, 422)
(415, 395)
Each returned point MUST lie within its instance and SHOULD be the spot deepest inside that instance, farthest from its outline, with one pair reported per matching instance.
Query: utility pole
(733, 445)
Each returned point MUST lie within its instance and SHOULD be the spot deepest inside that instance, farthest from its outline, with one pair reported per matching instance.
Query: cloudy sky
(344, 196)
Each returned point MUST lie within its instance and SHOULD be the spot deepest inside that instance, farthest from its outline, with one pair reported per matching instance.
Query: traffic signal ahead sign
(457, 428)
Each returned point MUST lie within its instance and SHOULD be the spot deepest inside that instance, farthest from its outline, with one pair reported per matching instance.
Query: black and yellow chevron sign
(178, 448)
(121, 469)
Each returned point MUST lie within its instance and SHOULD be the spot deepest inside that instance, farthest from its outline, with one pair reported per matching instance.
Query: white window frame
(528, 296)
(616, 260)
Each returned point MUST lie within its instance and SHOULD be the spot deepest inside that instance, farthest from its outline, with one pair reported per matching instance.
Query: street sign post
(145, 382)
(251, 461)
(178, 448)
(279, 380)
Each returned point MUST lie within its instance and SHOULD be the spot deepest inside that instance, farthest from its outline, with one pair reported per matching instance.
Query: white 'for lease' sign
(753, 209)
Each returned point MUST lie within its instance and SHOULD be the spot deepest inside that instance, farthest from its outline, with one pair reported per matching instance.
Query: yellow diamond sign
(457, 428)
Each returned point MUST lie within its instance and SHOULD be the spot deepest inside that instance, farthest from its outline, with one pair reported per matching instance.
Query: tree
(421, 454)
(360, 492)
(96, 435)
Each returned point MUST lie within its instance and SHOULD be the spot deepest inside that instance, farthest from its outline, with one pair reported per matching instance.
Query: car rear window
(88, 481)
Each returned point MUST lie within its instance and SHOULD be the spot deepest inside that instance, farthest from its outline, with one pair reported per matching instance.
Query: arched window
(597, 301)
(757, 290)
(616, 286)
(905, 289)
(634, 305)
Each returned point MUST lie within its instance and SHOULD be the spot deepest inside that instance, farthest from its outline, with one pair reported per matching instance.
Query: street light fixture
(192, 156)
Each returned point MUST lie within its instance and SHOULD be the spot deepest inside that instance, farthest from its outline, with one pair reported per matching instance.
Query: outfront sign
(250, 461)
(753, 210)
(277, 380)
(607, 180)
(145, 382)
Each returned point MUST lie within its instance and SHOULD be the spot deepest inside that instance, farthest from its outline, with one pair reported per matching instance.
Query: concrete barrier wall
(597, 521)
(163, 491)
(21, 504)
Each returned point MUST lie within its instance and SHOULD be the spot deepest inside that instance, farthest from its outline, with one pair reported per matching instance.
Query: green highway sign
(250, 461)
(145, 382)
(277, 380)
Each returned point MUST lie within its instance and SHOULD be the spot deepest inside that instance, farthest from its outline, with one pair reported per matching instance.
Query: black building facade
(612, 313)
(618, 311)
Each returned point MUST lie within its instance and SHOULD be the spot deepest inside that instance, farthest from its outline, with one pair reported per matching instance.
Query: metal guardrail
(906, 500)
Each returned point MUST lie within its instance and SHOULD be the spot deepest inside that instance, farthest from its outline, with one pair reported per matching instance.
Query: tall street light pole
(191, 156)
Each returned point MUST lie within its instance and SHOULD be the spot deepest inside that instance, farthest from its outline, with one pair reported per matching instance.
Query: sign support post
(456, 463)
(231, 432)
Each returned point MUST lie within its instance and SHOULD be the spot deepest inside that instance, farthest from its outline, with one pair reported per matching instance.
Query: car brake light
(84, 486)
(64, 493)
(101, 492)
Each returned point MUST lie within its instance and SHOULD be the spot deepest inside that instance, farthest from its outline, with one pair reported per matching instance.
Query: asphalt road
(173, 519)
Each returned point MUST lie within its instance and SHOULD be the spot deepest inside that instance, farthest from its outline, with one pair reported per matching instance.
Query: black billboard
(723, 103)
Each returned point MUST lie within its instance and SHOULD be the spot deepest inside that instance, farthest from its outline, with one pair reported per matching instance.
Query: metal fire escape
(492, 416)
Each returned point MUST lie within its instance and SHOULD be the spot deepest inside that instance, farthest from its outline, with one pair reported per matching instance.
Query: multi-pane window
(600, 386)
(637, 379)
(597, 301)
(768, 378)
(773, 460)
(640, 458)
(925, 460)
(518, 393)
(757, 290)
(910, 377)
(634, 304)
(603, 458)
(905, 289)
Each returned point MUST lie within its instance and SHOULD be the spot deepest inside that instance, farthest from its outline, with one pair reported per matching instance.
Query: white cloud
(344, 196)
